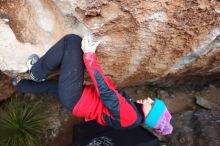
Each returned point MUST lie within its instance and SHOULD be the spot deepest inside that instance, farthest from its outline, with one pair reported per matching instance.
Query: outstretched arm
(123, 111)
(94, 69)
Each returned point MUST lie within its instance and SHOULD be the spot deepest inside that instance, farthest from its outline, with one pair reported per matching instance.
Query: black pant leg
(49, 61)
(28, 86)
(68, 54)
(72, 72)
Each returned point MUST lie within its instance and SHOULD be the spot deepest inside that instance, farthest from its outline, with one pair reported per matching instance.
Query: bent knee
(73, 37)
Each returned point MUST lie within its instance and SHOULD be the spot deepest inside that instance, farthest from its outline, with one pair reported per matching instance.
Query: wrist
(89, 52)
(89, 55)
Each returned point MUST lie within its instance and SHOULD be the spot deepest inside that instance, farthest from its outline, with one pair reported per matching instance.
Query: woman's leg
(71, 78)
(28, 86)
(68, 54)
(49, 61)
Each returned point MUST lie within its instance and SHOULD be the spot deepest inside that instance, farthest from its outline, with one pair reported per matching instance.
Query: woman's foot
(15, 80)
(32, 59)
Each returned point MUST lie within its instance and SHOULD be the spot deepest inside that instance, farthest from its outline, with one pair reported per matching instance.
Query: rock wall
(6, 89)
(195, 128)
(154, 41)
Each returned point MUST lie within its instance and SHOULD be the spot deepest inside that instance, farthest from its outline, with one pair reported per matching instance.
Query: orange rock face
(6, 89)
(150, 41)
(142, 41)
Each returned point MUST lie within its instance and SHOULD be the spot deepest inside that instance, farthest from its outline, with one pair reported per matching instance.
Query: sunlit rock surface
(142, 41)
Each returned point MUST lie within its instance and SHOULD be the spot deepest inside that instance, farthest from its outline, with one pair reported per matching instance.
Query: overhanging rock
(142, 41)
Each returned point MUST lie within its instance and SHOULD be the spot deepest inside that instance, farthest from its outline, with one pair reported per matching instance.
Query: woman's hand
(147, 105)
(87, 46)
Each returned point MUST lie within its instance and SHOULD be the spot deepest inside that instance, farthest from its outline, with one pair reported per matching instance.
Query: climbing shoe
(15, 81)
(32, 59)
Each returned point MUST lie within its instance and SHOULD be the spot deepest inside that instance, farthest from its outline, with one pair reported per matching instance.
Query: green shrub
(22, 123)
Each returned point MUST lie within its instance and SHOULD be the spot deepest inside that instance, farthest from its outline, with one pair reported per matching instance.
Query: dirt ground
(177, 99)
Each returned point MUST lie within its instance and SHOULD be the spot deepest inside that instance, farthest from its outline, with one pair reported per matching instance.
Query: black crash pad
(93, 134)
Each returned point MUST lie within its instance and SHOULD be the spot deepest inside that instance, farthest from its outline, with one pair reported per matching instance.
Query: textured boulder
(6, 89)
(142, 41)
(196, 128)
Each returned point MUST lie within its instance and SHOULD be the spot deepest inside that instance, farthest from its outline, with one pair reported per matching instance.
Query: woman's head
(156, 115)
